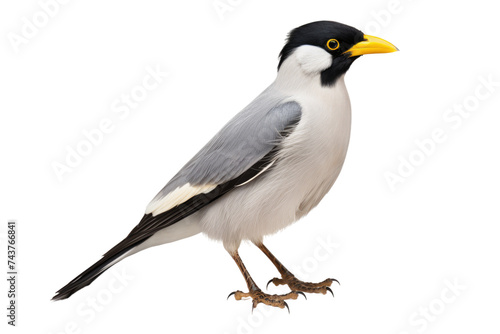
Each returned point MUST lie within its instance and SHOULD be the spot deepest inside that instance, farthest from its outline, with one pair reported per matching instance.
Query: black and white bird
(267, 167)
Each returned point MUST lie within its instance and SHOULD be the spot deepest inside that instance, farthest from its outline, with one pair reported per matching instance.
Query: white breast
(320, 148)
(308, 164)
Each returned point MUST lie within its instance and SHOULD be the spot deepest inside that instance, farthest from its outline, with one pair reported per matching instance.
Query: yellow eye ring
(335, 43)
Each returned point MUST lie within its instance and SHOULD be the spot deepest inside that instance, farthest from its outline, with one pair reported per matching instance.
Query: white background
(395, 251)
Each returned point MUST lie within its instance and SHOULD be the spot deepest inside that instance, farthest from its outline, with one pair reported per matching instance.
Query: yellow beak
(371, 44)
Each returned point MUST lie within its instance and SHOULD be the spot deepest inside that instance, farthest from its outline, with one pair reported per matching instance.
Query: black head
(344, 43)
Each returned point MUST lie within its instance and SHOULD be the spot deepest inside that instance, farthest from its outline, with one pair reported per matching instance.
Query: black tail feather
(89, 275)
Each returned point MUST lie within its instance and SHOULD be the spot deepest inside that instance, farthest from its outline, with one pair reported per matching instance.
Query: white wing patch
(177, 197)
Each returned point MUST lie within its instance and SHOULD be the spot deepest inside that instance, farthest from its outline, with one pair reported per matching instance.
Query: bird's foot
(297, 285)
(261, 297)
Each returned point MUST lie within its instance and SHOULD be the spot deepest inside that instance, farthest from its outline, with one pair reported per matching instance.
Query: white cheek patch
(313, 59)
(177, 197)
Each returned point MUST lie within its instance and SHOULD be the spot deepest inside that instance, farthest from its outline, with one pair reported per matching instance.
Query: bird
(266, 168)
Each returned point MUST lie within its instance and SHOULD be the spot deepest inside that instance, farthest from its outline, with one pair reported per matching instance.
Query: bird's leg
(255, 293)
(289, 279)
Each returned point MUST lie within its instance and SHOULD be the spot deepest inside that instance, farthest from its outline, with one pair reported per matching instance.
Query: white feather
(177, 197)
(312, 59)
(257, 175)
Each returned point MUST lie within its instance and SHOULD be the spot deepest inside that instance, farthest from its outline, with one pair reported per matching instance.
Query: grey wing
(243, 149)
(242, 142)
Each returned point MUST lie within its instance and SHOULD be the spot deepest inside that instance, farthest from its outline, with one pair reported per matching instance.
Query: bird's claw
(298, 286)
(272, 300)
(276, 281)
(303, 294)
(267, 285)
(232, 293)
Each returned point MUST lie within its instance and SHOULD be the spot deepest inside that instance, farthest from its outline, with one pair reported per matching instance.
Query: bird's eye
(332, 44)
